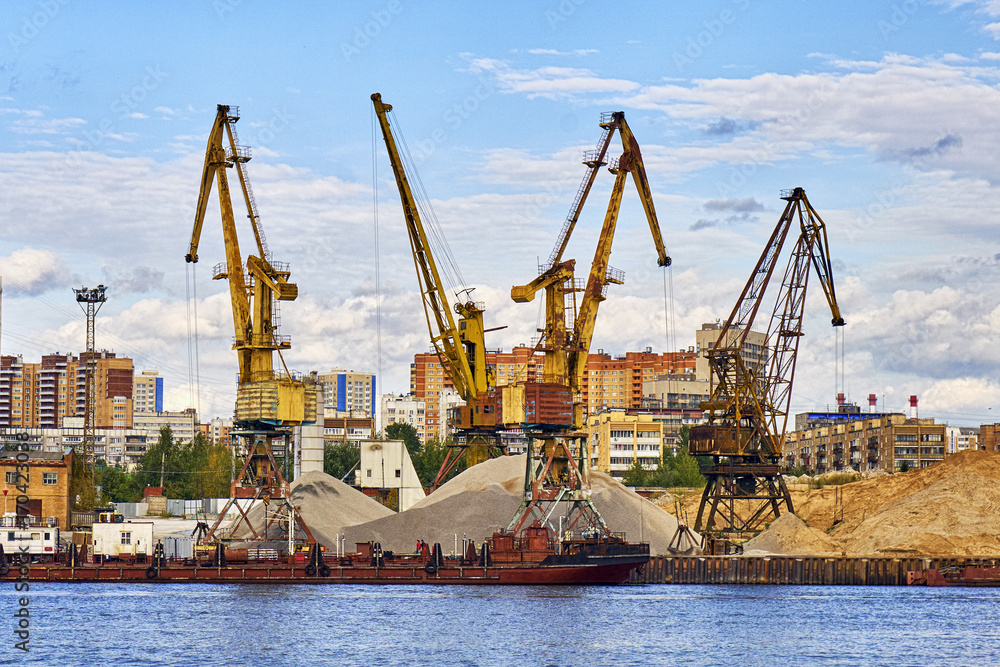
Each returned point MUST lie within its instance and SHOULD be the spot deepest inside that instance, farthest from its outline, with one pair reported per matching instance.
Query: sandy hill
(948, 509)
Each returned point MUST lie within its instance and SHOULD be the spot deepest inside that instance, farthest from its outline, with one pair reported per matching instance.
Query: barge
(533, 557)
(955, 576)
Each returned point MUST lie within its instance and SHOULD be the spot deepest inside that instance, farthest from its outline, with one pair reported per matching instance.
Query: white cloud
(35, 270)
(548, 82)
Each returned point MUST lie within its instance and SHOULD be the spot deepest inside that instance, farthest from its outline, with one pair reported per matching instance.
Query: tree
(197, 469)
(636, 475)
(340, 458)
(428, 459)
(405, 432)
(118, 486)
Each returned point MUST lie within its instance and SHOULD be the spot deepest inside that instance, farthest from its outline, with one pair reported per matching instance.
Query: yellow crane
(460, 347)
(747, 410)
(268, 403)
(553, 410)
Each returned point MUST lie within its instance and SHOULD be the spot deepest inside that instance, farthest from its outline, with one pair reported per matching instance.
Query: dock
(794, 570)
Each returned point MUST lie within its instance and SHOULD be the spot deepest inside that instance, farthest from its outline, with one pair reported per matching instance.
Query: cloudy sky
(885, 112)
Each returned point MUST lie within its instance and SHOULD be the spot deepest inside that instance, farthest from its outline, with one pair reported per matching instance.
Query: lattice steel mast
(90, 301)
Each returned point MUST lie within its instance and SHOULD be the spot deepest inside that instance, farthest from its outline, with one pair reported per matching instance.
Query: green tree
(118, 486)
(340, 458)
(405, 432)
(428, 459)
(197, 469)
(636, 475)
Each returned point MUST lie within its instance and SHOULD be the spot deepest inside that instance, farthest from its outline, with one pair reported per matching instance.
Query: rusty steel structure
(747, 410)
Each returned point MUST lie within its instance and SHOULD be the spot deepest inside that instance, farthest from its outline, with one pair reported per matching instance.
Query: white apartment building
(404, 409)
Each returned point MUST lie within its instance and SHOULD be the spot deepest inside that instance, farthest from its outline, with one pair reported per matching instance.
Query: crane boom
(747, 410)
(462, 348)
(566, 352)
(267, 403)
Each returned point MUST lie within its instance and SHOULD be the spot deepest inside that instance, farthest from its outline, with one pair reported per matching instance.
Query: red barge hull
(956, 576)
(416, 573)
(529, 560)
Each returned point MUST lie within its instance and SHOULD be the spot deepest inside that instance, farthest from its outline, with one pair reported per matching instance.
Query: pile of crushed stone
(327, 506)
(484, 498)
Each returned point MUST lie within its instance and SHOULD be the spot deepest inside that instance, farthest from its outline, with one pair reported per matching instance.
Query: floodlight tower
(90, 301)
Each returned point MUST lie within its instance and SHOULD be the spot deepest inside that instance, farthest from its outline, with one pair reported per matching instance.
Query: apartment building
(349, 394)
(120, 448)
(617, 382)
(619, 437)
(403, 409)
(183, 425)
(753, 353)
(147, 392)
(43, 394)
(868, 442)
(608, 382)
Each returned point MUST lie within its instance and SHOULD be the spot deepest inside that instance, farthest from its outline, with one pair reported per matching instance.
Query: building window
(50, 478)
(126, 538)
(13, 477)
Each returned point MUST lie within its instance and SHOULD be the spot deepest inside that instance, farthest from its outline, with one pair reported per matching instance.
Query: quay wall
(793, 570)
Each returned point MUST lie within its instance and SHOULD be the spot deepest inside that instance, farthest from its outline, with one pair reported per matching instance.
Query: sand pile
(789, 535)
(484, 498)
(326, 504)
(948, 509)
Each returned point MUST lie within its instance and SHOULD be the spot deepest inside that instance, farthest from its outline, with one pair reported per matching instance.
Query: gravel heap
(484, 498)
(327, 506)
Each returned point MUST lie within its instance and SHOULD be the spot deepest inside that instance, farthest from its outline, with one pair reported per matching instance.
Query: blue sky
(883, 111)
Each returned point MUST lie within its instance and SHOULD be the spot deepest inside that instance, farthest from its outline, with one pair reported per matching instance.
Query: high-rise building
(349, 394)
(43, 394)
(405, 410)
(617, 382)
(147, 392)
(753, 352)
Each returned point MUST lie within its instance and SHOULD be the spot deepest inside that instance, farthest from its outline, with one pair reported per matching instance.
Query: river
(257, 625)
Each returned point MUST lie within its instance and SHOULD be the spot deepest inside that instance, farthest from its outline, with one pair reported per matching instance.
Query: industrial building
(48, 479)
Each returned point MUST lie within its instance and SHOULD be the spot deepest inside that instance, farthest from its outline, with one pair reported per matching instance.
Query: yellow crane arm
(631, 149)
(216, 162)
(444, 333)
(597, 283)
(212, 161)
